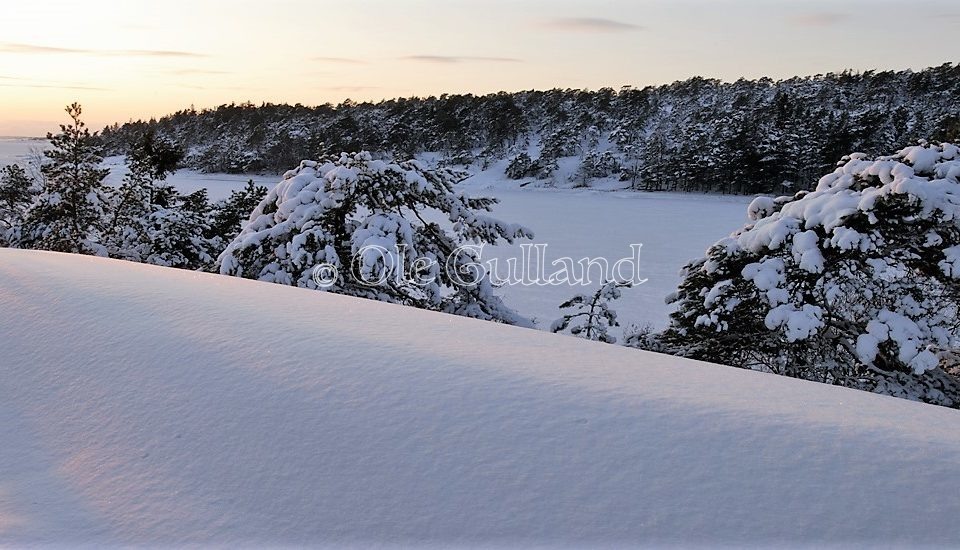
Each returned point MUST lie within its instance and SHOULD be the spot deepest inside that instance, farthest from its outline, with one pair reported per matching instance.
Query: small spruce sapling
(590, 316)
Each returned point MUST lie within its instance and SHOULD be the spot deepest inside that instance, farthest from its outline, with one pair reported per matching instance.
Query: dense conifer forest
(748, 136)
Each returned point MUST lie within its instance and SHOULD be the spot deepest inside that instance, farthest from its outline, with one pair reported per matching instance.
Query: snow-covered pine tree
(15, 198)
(70, 213)
(230, 213)
(590, 316)
(855, 284)
(373, 220)
(140, 193)
(178, 235)
(520, 167)
(644, 337)
(596, 164)
(152, 223)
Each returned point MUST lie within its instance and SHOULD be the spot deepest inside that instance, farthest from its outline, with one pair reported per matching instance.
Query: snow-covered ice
(19, 150)
(672, 227)
(142, 405)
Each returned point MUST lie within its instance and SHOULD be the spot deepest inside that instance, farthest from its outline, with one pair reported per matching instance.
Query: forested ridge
(749, 136)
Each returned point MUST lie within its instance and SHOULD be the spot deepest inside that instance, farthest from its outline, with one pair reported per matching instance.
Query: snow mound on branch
(927, 174)
(873, 249)
(142, 405)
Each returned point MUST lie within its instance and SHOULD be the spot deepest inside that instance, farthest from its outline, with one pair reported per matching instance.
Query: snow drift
(147, 405)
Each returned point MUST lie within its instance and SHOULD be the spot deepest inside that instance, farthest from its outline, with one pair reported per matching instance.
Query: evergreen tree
(70, 213)
(230, 213)
(644, 337)
(591, 316)
(152, 222)
(369, 219)
(140, 194)
(853, 284)
(15, 198)
(177, 234)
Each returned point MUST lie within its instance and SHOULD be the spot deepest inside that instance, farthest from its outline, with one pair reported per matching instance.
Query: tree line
(748, 136)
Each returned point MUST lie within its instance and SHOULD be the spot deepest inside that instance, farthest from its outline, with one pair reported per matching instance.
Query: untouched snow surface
(672, 228)
(145, 405)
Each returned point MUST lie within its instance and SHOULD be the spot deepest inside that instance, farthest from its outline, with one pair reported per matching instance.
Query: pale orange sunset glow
(137, 59)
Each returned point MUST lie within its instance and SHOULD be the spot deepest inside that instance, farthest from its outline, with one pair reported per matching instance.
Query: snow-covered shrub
(520, 167)
(393, 231)
(590, 316)
(856, 283)
(179, 234)
(459, 158)
(644, 337)
(596, 164)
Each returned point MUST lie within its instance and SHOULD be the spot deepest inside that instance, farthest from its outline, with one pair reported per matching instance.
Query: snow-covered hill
(145, 405)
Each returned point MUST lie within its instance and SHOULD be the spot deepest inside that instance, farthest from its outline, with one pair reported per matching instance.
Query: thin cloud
(821, 19)
(191, 72)
(148, 53)
(34, 49)
(447, 59)
(225, 88)
(344, 60)
(350, 88)
(53, 86)
(20, 82)
(590, 24)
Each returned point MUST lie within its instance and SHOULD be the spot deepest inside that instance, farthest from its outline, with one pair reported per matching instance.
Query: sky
(136, 59)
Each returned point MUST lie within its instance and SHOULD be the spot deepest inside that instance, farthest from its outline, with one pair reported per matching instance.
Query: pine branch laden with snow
(346, 211)
(591, 316)
(856, 283)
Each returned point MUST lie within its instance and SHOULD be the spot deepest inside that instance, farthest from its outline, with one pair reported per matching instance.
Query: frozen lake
(18, 150)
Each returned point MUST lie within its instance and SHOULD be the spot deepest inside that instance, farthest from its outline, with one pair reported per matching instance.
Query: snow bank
(146, 405)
